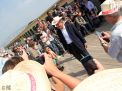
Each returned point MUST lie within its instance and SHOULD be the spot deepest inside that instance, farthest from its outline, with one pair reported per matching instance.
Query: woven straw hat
(56, 20)
(109, 7)
(108, 80)
(26, 76)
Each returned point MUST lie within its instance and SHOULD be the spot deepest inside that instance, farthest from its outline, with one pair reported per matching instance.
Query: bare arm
(71, 82)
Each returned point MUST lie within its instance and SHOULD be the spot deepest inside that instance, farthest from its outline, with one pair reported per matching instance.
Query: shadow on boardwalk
(67, 60)
(79, 73)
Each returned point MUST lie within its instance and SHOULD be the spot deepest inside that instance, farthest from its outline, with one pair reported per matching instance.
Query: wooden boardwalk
(74, 67)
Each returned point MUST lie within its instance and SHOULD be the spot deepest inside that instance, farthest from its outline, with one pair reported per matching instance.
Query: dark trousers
(84, 57)
(89, 27)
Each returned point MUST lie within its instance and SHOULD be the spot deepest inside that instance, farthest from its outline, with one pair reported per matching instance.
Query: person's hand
(101, 40)
(49, 65)
(105, 36)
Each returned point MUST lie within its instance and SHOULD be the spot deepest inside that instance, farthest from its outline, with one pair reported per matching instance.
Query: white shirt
(50, 36)
(66, 36)
(115, 49)
(89, 5)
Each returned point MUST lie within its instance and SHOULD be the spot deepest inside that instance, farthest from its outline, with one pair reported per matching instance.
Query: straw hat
(26, 76)
(109, 7)
(56, 20)
(108, 80)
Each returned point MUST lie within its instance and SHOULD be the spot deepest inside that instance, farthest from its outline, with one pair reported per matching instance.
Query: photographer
(112, 44)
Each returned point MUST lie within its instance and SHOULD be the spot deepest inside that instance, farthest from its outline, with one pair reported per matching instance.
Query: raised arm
(70, 81)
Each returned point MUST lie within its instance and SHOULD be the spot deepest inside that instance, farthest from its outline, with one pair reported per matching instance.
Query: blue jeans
(54, 48)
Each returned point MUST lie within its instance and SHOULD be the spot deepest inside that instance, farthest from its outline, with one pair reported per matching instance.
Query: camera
(40, 59)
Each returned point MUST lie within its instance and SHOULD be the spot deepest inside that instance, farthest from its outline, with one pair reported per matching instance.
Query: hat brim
(38, 71)
(100, 14)
(108, 12)
(26, 76)
(54, 23)
(16, 80)
(107, 80)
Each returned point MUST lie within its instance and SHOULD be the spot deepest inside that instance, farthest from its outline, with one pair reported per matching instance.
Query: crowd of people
(80, 19)
(63, 31)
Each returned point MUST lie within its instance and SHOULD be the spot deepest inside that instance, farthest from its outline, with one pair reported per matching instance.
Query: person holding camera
(112, 44)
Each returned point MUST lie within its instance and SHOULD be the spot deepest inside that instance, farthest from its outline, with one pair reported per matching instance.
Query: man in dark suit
(74, 43)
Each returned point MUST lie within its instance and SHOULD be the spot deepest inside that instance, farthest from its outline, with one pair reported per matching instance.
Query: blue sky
(15, 14)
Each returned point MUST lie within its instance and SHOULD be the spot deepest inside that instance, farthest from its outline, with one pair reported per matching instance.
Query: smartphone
(41, 59)
(98, 33)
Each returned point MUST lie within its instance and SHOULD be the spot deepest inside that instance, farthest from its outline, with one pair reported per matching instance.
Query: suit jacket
(74, 34)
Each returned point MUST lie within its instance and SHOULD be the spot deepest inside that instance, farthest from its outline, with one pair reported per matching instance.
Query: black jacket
(74, 34)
